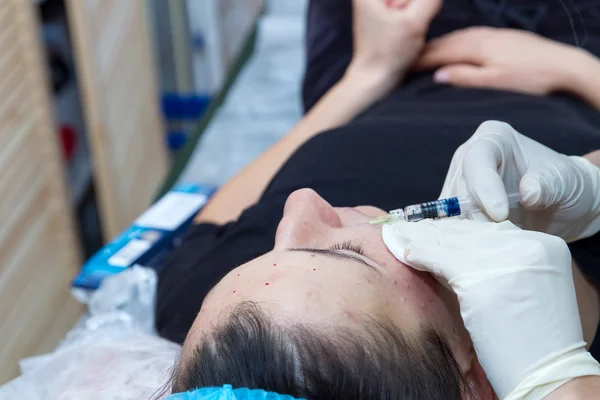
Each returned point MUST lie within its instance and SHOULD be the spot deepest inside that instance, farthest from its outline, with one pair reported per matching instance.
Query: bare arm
(354, 93)
(588, 387)
(585, 388)
(594, 157)
(388, 37)
(588, 295)
(582, 79)
(514, 60)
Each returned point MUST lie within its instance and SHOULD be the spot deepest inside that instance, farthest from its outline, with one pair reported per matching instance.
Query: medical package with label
(150, 238)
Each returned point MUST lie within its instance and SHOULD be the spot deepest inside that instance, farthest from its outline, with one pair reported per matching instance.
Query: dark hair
(248, 349)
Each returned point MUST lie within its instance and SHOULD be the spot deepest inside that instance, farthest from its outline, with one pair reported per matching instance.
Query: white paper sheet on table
(111, 354)
(103, 356)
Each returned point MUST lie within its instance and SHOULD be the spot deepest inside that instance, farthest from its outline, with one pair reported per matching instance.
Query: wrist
(584, 388)
(373, 80)
(358, 89)
(580, 72)
(591, 184)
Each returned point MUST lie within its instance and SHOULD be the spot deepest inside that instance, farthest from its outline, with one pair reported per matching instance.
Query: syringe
(443, 208)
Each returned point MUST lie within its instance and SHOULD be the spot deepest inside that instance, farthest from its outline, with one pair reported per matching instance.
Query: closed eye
(334, 251)
(347, 245)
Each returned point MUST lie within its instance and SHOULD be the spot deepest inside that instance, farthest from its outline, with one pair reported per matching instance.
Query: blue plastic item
(150, 238)
(177, 140)
(188, 107)
(228, 393)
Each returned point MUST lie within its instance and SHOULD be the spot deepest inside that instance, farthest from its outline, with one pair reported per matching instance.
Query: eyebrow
(337, 255)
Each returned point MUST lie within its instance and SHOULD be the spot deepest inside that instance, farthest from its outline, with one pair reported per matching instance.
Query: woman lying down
(283, 285)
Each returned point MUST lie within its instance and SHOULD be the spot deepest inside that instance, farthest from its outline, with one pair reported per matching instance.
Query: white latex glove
(560, 194)
(516, 294)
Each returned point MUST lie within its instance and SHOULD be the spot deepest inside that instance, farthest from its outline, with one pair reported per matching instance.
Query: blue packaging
(149, 239)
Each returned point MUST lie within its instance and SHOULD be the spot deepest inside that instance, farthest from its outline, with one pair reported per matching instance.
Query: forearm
(584, 388)
(594, 187)
(594, 157)
(582, 79)
(353, 94)
(588, 387)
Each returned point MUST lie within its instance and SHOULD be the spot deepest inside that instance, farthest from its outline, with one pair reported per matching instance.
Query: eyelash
(347, 245)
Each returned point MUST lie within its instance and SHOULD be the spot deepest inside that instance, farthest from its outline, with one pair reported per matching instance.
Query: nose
(307, 220)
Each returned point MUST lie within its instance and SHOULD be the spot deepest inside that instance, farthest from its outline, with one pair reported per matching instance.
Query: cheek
(415, 286)
(418, 289)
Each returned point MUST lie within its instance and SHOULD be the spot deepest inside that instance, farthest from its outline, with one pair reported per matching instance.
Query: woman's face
(329, 266)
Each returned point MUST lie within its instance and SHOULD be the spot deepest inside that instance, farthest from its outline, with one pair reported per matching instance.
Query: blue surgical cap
(228, 393)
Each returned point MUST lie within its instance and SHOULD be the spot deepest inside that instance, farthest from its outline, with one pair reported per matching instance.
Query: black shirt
(396, 153)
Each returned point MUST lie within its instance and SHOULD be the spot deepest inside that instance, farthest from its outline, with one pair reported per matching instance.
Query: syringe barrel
(445, 208)
(442, 208)
(467, 205)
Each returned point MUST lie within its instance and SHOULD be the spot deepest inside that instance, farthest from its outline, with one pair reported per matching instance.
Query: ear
(478, 383)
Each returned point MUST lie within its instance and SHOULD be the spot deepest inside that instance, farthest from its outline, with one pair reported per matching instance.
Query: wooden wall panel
(39, 254)
(116, 72)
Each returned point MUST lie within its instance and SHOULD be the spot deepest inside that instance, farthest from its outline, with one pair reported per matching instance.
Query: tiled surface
(264, 102)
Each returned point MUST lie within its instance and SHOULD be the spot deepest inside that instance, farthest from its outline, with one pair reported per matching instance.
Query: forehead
(311, 288)
(296, 283)
(302, 266)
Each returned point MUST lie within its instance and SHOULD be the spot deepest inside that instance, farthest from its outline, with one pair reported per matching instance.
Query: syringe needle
(383, 220)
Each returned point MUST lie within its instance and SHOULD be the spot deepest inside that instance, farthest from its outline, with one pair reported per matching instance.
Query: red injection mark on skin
(349, 315)
(234, 291)
(396, 3)
(314, 269)
(267, 284)
(274, 265)
(238, 274)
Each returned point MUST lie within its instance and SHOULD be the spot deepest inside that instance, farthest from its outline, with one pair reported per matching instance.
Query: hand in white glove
(516, 294)
(560, 194)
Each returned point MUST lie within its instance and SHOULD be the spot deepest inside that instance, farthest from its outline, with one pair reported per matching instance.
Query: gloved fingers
(535, 193)
(395, 241)
(398, 236)
(466, 239)
(451, 248)
(438, 260)
(432, 230)
(436, 231)
(454, 226)
(480, 169)
(477, 216)
(549, 184)
(454, 184)
(451, 234)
